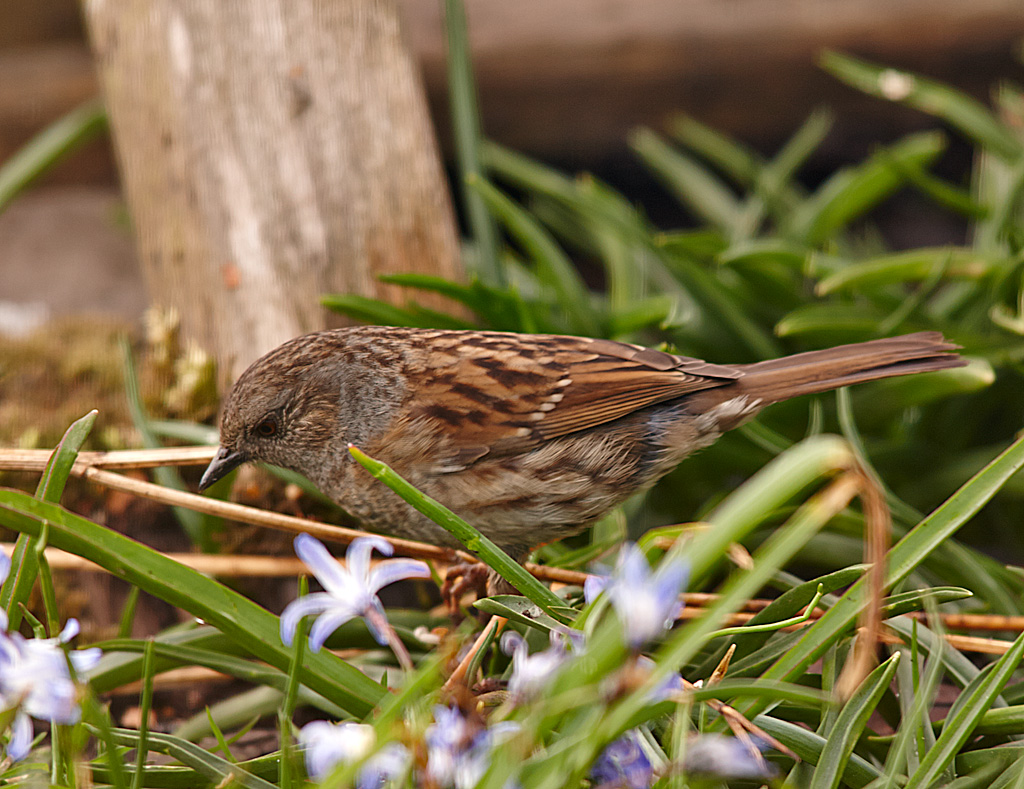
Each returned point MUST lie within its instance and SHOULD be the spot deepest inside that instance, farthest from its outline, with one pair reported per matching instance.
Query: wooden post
(271, 151)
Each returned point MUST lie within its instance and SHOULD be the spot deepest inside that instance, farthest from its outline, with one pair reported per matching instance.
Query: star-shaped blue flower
(459, 753)
(34, 678)
(623, 765)
(645, 601)
(532, 673)
(350, 589)
(329, 744)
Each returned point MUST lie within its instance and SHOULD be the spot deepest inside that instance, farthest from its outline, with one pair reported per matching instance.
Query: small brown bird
(528, 437)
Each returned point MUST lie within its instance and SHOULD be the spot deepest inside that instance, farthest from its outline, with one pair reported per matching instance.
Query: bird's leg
(461, 578)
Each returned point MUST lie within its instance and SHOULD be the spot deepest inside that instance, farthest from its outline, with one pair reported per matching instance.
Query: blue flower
(725, 757)
(668, 689)
(329, 744)
(351, 590)
(532, 673)
(34, 678)
(646, 602)
(458, 753)
(623, 764)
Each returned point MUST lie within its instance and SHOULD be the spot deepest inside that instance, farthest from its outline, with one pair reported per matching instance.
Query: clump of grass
(772, 268)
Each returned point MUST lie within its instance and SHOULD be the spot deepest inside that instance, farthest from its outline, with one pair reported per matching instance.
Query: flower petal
(293, 613)
(633, 569)
(357, 557)
(593, 586)
(21, 737)
(394, 570)
(328, 571)
(328, 622)
(71, 629)
(84, 660)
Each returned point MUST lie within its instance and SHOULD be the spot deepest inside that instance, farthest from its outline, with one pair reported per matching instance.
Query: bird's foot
(462, 578)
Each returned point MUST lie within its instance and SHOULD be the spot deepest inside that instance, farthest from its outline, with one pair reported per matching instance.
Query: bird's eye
(267, 427)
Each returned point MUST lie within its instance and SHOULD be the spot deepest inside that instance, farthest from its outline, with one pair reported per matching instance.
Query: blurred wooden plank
(569, 78)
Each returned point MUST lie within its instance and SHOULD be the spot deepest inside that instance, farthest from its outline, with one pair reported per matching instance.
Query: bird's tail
(821, 371)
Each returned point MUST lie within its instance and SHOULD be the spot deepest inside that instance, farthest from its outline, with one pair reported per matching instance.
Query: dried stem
(92, 466)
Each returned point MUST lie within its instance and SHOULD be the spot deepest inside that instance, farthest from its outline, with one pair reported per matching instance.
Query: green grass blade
(242, 620)
(857, 771)
(374, 311)
(912, 266)
(832, 322)
(693, 186)
(904, 558)
(853, 191)
(783, 607)
(466, 130)
(773, 486)
(773, 191)
(778, 691)
(50, 146)
(850, 724)
(212, 767)
(957, 108)
(976, 701)
(736, 160)
(721, 306)
(25, 562)
(196, 525)
(553, 266)
(491, 554)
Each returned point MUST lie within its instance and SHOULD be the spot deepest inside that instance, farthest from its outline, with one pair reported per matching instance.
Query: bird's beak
(224, 462)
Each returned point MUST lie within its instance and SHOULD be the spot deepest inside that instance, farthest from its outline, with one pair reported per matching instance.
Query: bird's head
(283, 410)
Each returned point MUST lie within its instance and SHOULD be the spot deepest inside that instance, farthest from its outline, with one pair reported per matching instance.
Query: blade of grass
(857, 771)
(736, 160)
(850, 724)
(904, 558)
(489, 553)
(212, 767)
(145, 705)
(197, 526)
(553, 266)
(692, 185)
(977, 699)
(375, 311)
(243, 621)
(466, 130)
(25, 561)
(50, 146)
(914, 265)
(957, 108)
(851, 192)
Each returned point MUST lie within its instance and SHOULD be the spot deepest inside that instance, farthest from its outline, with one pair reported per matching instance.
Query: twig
(92, 465)
(458, 676)
(35, 459)
(258, 517)
(224, 566)
(878, 525)
(736, 720)
(985, 646)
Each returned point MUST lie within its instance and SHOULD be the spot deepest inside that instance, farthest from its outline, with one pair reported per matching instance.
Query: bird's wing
(494, 394)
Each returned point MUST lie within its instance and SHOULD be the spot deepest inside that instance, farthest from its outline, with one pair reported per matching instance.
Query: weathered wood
(569, 78)
(271, 152)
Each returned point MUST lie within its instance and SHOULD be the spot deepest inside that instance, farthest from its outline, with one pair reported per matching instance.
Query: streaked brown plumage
(528, 437)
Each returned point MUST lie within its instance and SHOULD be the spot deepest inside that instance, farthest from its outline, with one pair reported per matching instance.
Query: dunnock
(528, 437)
